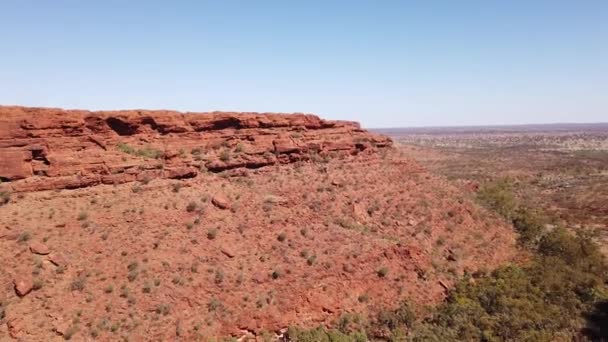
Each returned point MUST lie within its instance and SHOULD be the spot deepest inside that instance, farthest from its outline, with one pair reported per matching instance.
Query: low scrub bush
(146, 152)
(323, 335)
(5, 197)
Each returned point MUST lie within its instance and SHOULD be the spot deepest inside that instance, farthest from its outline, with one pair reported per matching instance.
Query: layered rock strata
(44, 148)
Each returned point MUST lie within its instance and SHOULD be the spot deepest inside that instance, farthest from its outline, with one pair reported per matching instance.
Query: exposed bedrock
(44, 148)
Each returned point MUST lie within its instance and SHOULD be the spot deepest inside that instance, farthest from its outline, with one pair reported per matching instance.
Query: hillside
(154, 225)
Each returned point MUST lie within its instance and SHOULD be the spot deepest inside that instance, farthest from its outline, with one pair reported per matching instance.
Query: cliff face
(43, 148)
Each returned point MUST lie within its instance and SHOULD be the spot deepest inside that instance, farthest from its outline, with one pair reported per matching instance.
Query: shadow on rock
(596, 328)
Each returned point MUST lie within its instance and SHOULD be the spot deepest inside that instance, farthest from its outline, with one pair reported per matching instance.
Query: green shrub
(133, 266)
(225, 155)
(69, 333)
(24, 236)
(178, 280)
(281, 237)
(126, 148)
(78, 283)
(321, 334)
(311, 260)
(146, 152)
(382, 272)
(402, 317)
(529, 225)
(498, 196)
(219, 276)
(147, 288)
(214, 305)
(5, 197)
(132, 275)
(576, 250)
(163, 309)
(83, 215)
(544, 300)
(38, 283)
(191, 207)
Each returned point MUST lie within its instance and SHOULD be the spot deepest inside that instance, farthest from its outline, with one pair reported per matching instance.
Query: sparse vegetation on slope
(5, 197)
(548, 298)
(543, 300)
(216, 258)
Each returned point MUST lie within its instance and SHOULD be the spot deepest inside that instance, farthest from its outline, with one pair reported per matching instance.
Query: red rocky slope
(332, 229)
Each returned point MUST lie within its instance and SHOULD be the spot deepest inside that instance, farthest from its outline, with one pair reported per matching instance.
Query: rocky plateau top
(43, 148)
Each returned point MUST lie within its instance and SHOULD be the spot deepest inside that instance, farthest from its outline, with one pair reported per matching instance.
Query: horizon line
(491, 125)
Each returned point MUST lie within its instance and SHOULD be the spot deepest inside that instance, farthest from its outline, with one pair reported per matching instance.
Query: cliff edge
(43, 148)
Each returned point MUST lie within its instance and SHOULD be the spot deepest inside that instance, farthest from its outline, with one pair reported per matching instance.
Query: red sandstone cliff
(43, 148)
(351, 232)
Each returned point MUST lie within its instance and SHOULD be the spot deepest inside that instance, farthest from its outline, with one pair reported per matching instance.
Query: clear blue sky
(383, 63)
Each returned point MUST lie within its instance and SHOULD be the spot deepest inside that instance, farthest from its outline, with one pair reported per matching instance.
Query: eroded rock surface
(39, 248)
(43, 149)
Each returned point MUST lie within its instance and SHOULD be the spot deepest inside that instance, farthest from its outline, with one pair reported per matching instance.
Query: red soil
(297, 242)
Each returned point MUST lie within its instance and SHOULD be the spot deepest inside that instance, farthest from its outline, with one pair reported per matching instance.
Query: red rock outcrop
(299, 243)
(23, 286)
(44, 148)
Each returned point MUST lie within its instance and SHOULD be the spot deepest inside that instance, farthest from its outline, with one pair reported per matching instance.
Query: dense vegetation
(559, 294)
(544, 300)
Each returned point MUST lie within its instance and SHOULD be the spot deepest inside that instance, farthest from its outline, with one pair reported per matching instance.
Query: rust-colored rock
(23, 285)
(58, 259)
(227, 251)
(273, 199)
(39, 248)
(220, 202)
(15, 327)
(47, 148)
(15, 164)
(181, 172)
